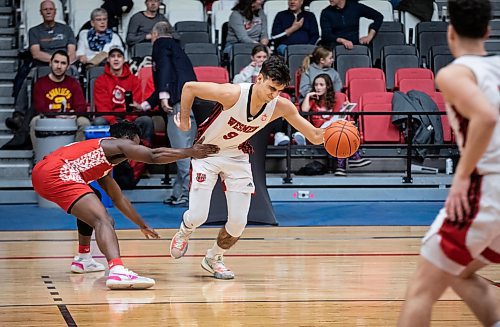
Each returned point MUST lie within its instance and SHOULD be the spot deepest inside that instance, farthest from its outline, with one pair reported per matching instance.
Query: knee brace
(199, 205)
(238, 205)
(84, 228)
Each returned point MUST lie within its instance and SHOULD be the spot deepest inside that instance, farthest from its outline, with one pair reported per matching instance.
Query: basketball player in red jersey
(63, 175)
(465, 236)
(242, 110)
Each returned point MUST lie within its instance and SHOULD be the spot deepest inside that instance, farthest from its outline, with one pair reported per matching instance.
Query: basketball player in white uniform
(465, 235)
(242, 110)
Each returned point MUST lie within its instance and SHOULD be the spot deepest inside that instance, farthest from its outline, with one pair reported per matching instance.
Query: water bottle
(449, 166)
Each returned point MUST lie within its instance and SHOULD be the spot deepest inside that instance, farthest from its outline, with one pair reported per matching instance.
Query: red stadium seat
(211, 74)
(358, 87)
(378, 128)
(411, 73)
(423, 85)
(447, 131)
(363, 73)
(298, 75)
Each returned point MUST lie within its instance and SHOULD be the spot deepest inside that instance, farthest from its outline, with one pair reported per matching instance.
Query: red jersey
(64, 96)
(63, 175)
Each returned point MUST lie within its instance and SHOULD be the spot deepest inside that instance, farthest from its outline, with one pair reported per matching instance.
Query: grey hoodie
(314, 70)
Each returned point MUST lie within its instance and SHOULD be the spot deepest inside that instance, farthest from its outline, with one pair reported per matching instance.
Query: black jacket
(423, 9)
(171, 70)
(427, 129)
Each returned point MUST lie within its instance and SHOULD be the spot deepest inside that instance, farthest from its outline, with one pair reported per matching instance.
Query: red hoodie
(109, 92)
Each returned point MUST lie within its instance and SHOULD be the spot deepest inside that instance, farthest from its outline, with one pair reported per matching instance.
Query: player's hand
(201, 151)
(149, 233)
(166, 107)
(457, 204)
(182, 125)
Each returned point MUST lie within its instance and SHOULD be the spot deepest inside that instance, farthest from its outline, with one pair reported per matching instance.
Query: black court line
(70, 322)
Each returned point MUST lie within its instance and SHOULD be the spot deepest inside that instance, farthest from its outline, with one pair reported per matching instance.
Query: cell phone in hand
(129, 101)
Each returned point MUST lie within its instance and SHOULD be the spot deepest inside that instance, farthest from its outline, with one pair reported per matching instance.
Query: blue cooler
(95, 132)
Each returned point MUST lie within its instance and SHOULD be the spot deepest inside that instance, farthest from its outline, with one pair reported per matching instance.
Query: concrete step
(5, 3)
(4, 138)
(6, 88)
(15, 170)
(5, 21)
(4, 113)
(16, 154)
(9, 53)
(7, 102)
(6, 10)
(8, 65)
(11, 31)
(15, 164)
(7, 42)
(8, 77)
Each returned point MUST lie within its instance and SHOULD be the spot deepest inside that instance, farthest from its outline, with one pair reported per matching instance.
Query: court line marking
(250, 255)
(54, 293)
(219, 302)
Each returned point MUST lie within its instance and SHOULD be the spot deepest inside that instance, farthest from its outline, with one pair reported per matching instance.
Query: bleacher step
(9, 53)
(7, 30)
(11, 170)
(4, 138)
(16, 154)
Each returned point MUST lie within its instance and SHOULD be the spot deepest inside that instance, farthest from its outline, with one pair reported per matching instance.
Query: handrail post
(409, 149)
(288, 175)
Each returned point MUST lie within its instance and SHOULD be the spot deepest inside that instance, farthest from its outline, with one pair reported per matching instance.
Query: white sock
(185, 229)
(116, 268)
(215, 250)
(85, 256)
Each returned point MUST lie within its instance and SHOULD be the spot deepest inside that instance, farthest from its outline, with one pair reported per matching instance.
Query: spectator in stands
(94, 43)
(171, 70)
(44, 40)
(109, 94)
(141, 23)
(318, 62)
(294, 26)
(57, 92)
(321, 98)
(340, 23)
(247, 24)
(250, 72)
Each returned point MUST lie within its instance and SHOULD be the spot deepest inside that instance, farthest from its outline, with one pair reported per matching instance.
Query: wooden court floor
(298, 276)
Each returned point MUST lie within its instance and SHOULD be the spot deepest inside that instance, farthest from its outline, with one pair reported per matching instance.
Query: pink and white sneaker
(122, 278)
(82, 266)
(179, 244)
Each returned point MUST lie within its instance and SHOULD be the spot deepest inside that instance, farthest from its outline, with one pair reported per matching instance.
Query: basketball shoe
(179, 244)
(85, 265)
(217, 267)
(122, 278)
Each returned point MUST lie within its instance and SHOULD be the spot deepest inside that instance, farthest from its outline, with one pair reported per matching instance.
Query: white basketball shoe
(122, 278)
(85, 265)
(217, 267)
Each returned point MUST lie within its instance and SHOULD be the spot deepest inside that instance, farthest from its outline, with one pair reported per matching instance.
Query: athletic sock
(184, 229)
(113, 263)
(215, 250)
(84, 251)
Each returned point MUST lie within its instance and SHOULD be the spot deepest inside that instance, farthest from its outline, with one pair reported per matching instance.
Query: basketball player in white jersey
(465, 235)
(242, 110)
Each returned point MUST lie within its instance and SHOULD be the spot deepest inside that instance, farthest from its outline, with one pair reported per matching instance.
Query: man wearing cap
(109, 94)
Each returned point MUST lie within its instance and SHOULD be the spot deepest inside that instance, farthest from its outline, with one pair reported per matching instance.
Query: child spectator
(250, 72)
(321, 98)
(318, 62)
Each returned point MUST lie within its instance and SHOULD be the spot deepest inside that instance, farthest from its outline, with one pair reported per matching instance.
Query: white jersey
(487, 72)
(231, 128)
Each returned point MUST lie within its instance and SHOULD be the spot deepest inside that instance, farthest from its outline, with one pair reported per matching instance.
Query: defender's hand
(149, 233)
(201, 151)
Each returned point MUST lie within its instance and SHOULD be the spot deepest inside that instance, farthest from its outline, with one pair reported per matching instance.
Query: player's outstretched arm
(226, 94)
(158, 155)
(287, 110)
(123, 204)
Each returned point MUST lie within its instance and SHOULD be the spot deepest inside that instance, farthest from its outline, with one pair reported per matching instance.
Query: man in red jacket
(57, 92)
(109, 94)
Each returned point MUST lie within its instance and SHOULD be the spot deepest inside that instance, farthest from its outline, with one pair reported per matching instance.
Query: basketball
(342, 139)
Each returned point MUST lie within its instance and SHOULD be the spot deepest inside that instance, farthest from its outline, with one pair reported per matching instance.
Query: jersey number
(230, 135)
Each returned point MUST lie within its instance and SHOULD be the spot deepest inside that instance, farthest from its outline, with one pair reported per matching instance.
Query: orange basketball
(342, 139)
